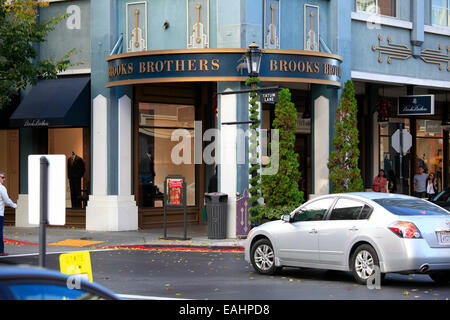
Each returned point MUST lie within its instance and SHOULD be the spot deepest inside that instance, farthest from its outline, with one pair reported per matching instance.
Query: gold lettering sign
(161, 66)
(301, 66)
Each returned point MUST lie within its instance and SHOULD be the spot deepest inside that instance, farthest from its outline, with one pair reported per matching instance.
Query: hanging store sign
(416, 105)
(195, 65)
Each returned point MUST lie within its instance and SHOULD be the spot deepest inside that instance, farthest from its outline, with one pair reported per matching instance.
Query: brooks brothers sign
(222, 65)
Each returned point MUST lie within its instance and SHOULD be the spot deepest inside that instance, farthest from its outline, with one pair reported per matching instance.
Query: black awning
(63, 102)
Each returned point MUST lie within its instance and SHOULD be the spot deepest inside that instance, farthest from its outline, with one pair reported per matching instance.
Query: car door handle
(353, 229)
(313, 231)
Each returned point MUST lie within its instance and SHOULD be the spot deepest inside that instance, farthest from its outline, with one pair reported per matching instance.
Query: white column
(111, 212)
(100, 146)
(125, 142)
(128, 214)
(321, 146)
(227, 160)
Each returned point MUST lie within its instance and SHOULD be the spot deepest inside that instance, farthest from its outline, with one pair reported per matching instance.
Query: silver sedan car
(357, 232)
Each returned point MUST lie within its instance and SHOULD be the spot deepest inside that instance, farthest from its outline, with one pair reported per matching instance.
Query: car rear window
(411, 207)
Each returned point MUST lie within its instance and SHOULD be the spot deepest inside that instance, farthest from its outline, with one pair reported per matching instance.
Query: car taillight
(405, 230)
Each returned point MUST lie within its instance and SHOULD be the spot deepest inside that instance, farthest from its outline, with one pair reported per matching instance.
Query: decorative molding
(436, 57)
(394, 51)
(311, 29)
(223, 50)
(403, 52)
(272, 19)
(136, 20)
(197, 23)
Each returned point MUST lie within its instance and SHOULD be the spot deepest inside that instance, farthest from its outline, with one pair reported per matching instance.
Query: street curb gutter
(196, 248)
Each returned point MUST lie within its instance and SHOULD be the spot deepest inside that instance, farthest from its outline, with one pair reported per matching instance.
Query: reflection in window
(346, 209)
(440, 12)
(389, 158)
(383, 7)
(411, 207)
(314, 211)
(159, 156)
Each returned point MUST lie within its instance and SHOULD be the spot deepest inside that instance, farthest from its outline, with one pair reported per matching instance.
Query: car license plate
(444, 237)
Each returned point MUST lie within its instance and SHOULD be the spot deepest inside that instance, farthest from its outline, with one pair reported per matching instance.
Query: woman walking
(432, 188)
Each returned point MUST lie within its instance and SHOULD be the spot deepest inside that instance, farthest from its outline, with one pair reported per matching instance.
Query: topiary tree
(280, 191)
(343, 162)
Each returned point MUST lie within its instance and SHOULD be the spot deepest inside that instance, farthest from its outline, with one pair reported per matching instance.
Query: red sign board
(175, 187)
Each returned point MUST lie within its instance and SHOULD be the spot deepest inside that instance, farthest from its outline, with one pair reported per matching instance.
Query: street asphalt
(26, 240)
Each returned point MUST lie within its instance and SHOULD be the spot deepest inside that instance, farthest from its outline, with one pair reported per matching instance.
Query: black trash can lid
(216, 196)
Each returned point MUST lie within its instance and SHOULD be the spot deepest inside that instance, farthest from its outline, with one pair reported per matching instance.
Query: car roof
(25, 272)
(370, 195)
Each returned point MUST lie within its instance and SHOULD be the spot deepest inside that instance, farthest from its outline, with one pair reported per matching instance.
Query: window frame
(448, 15)
(307, 204)
(378, 10)
(359, 215)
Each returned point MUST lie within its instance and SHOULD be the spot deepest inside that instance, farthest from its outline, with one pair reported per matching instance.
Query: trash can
(216, 213)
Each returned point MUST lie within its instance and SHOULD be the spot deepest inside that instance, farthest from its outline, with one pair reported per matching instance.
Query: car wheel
(364, 263)
(441, 277)
(263, 257)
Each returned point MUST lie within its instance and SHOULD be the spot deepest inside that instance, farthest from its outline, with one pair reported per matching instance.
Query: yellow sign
(76, 263)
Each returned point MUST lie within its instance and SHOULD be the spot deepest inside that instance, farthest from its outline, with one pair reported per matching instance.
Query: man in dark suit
(75, 171)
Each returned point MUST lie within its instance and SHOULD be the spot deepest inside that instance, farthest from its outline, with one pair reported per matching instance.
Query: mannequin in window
(147, 176)
(75, 171)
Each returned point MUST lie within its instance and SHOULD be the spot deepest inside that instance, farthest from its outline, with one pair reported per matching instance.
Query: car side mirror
(286, 217)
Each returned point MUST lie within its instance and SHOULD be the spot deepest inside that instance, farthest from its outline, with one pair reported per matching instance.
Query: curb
(188, 248)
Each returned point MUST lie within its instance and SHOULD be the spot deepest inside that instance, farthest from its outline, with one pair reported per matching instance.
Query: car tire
(440, 277)
(363, 263)
(262, 257)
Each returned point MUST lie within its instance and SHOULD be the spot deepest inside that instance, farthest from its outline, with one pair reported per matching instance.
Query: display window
(430, 148)
(72, 143)
(9, 161)
(165, 147)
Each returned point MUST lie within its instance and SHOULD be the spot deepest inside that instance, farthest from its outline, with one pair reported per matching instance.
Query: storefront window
(430, 148)
(166, 147)
(9, 161)
(440, 14)
(71, 143)
(383, 7)
(390, 158)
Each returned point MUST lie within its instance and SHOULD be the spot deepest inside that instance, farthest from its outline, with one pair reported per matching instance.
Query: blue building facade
(158, 68)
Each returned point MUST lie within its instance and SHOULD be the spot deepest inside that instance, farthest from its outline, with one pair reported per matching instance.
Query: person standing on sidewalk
(4, 200)
(420, 183)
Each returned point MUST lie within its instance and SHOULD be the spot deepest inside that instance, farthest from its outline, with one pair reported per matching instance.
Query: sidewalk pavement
(26, 240)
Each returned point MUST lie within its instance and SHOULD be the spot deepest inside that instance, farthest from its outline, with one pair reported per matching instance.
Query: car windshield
(410, 207)
(442, 196)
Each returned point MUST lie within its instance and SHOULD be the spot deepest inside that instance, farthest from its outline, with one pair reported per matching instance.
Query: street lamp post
(253, 57)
